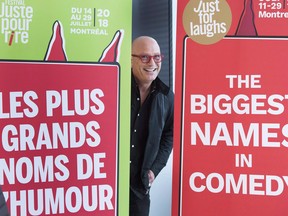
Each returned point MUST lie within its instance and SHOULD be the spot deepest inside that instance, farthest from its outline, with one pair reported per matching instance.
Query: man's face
(145, 73)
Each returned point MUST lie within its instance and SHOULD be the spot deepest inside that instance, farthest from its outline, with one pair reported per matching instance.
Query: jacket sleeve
(3, 207)
(166, 142)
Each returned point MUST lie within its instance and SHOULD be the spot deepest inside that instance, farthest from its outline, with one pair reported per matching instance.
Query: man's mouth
(150, 70)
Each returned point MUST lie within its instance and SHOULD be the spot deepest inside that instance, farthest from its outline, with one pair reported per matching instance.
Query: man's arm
(3, 207)
(166, 143)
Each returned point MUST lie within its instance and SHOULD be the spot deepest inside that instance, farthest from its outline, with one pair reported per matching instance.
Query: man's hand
(151, 177)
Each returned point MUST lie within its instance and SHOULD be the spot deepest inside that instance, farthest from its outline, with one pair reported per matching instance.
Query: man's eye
(145, 57)
(157, 57)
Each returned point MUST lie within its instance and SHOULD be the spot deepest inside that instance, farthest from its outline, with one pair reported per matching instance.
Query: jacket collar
(157, 85)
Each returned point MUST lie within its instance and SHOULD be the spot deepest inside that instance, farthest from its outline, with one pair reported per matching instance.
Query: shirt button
(138, 114)
(138, 99)
(135, 131)
(132, 146)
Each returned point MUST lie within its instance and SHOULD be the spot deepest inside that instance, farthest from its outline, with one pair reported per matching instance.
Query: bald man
(152, 107)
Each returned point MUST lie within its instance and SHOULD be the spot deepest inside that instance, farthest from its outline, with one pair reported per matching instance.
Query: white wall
(161, 192)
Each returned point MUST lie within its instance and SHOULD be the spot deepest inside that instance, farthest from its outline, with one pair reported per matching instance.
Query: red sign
(231, 103)
(234, 129)
(59, 137)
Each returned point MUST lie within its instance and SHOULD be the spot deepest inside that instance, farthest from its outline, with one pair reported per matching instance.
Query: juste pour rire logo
(207, 21)
(15, 20)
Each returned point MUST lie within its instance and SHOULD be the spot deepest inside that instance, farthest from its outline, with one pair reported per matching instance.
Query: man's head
(146, 59)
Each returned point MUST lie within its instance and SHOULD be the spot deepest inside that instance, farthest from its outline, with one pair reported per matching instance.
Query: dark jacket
(160, 139)
(3, 207)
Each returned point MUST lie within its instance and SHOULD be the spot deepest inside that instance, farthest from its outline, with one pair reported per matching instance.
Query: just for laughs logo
(207, 21)
(15, 19)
